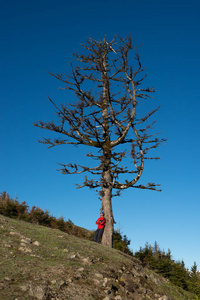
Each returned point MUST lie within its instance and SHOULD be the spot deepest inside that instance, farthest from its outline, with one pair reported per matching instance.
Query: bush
(12, 208)
(61, 224)
(38, 216)
(121, 243)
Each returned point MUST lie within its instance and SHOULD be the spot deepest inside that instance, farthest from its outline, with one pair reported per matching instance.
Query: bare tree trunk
(107, 238)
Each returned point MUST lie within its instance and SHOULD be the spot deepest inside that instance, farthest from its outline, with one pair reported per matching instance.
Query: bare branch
(107, 86)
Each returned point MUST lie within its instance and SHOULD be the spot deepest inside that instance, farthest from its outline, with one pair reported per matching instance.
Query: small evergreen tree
(194, 271)
(121, 243)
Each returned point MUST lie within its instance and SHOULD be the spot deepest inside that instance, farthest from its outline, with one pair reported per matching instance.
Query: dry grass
(64, 266)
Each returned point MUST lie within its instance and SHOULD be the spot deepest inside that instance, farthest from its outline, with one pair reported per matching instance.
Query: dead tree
(107, 83)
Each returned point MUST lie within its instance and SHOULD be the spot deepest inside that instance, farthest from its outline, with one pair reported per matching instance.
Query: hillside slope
(41, 263)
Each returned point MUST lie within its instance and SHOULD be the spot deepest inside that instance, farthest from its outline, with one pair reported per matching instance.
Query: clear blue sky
(39, 36)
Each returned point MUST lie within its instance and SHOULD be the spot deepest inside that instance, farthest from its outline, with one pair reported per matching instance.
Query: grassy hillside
(38, 262)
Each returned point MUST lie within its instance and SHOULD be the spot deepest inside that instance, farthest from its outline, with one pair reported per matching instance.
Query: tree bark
(107, 238)
(107, 182)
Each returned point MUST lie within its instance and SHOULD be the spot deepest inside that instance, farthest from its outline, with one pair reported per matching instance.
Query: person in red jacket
(101, 224)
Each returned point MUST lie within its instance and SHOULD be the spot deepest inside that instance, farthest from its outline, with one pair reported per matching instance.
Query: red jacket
(101, 223)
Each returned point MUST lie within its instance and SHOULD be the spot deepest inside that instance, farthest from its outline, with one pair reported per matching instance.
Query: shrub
(61, 224)
(37, 215)
(121, 243)
(12, 208)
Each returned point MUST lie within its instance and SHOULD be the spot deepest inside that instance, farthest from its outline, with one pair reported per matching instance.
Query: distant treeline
(150, 256)
(161, 262)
